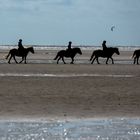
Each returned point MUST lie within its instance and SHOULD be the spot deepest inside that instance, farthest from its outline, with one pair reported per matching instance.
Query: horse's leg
(137, 60)
(112, 60)
(72, 60)
(134, 60)
(97, 60)
(93, 60)
(10, 59)
(58, 59)
(15, 59)
(21, 60)
(107, 60)
(91, 56)
(25, 60)
(63, 60)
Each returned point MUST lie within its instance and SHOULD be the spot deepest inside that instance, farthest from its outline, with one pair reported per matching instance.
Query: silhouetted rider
(20, 46)
(69, 46)
(104, 45)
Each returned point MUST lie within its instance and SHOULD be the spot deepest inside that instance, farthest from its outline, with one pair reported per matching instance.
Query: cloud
(20, 5)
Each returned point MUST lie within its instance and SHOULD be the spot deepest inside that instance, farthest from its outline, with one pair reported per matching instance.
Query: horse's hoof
(71, 63)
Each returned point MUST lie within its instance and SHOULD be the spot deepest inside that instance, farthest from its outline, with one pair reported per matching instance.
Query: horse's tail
(56, 56)
(92, 55)
(8, 55)
(134, 54)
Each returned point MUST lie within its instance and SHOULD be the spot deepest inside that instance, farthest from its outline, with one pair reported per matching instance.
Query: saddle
(68, 52)
(20, 51)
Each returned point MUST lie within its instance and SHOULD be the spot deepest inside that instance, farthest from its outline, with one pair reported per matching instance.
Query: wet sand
(79, 91)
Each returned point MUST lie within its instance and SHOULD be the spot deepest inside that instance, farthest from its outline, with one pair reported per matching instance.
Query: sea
(77, 129)
(60, 47)
(96, 129)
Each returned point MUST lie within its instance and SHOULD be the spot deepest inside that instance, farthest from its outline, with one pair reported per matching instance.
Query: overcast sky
(84, 22)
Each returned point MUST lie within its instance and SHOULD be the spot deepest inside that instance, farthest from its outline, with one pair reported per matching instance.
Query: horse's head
(79, 51)
(31, 49)
(117, 51)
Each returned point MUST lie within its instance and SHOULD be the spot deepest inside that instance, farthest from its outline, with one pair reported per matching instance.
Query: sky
(56, 22)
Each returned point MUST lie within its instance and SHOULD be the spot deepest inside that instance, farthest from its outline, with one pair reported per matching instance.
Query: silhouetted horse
(67, 53)
(105, 54)
(136, 56)
(23, 54)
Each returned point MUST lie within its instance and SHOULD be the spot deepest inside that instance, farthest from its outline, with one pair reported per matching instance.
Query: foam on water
(103, 129)
(58, 47)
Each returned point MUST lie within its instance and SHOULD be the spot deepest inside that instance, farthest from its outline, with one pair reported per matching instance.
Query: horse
(105, 54)
(15, 52)
(67, 53)
(136, 56)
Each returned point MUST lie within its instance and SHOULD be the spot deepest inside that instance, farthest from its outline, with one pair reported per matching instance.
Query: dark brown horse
(136, 56)
(108, 53)
(67, 53)
(15, 52)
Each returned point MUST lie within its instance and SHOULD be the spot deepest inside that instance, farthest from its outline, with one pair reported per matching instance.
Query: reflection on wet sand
(62, 75)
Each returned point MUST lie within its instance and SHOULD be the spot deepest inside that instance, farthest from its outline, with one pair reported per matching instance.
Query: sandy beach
(43, 89)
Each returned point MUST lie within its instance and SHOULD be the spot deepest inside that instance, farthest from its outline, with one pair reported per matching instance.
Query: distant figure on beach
(104, 45)
(20, 46)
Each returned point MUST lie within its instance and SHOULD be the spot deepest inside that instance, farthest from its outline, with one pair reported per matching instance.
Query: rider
(20, 46)
(104, 45)
(69, 46)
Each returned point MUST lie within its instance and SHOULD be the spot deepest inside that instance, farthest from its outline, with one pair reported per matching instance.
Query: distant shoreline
(59, 47)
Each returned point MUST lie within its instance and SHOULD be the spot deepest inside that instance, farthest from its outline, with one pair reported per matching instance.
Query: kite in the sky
(112, 28)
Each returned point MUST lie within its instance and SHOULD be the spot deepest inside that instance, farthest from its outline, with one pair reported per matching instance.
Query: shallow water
(103, 129)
